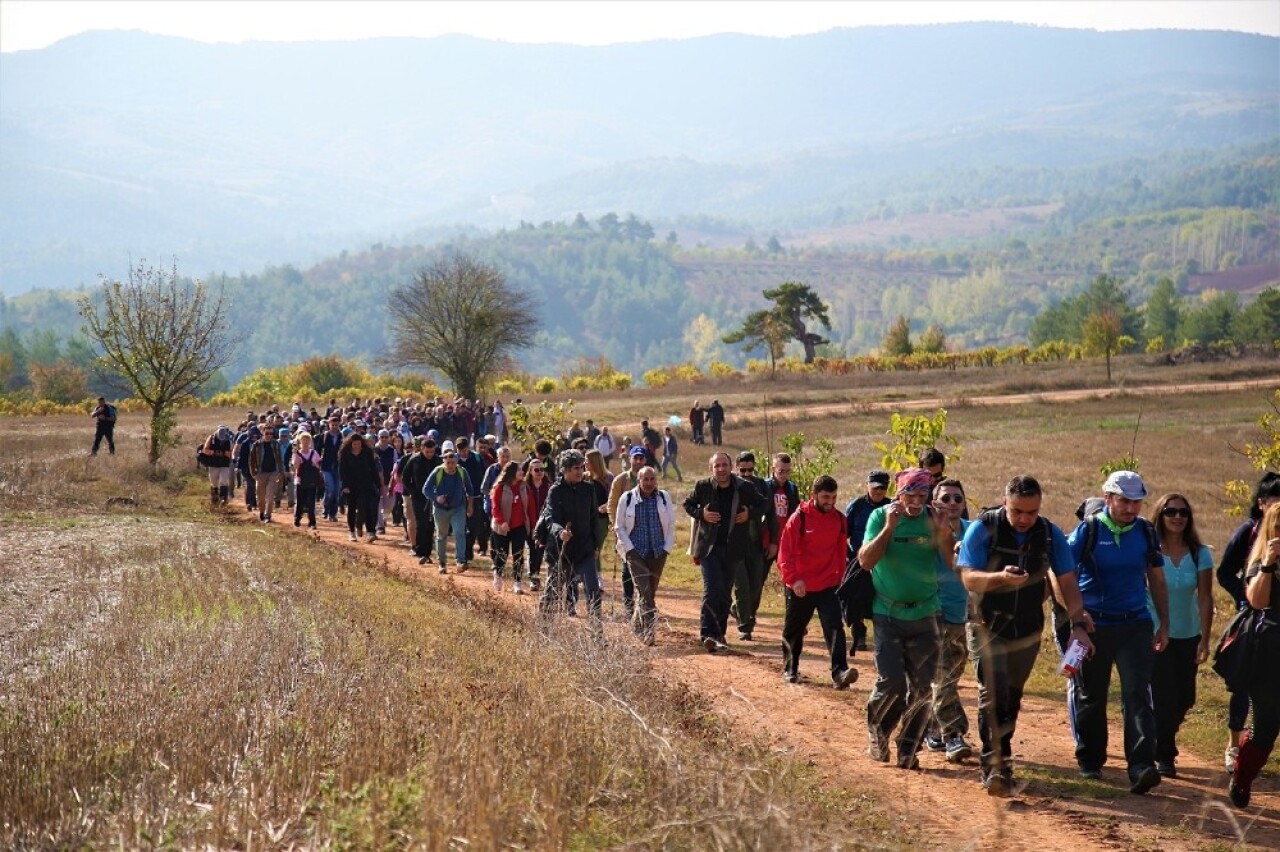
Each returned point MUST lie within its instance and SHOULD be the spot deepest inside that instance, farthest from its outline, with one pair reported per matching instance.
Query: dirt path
(813, 722)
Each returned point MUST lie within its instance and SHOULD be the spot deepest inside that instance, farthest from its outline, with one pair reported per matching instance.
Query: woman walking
(539, 484)
(361, 486)
(306, 479)
(1188, 574)
(511, 502)
(1263, 594)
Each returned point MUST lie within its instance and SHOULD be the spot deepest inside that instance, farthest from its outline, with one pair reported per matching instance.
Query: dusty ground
(814, 722)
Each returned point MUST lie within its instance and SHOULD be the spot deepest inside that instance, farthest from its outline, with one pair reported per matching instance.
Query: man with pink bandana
(901, 548)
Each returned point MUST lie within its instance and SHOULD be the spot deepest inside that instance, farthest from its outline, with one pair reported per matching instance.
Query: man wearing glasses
(855, 590)
(266, 465)
(762, 528)
(449, 491)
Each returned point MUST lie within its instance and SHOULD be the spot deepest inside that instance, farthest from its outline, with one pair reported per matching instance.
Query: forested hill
(239, 156)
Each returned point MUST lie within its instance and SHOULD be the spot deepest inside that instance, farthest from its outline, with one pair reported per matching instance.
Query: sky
(32, 24)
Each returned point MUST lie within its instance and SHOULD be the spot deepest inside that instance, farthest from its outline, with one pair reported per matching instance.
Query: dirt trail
(813, 722)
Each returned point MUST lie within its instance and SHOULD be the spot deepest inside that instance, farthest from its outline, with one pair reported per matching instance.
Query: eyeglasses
(950, 498)
(537, 469)
(1176, 512)
(746, 470)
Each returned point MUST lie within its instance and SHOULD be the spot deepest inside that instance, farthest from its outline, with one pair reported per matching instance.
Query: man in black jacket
(721, 507)
(572, 539)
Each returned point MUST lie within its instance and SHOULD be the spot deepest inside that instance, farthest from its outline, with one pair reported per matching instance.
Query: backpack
(201, 458)
(111, 414)
(1091, 524)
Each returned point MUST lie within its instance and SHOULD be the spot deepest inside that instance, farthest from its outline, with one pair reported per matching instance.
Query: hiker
(307, 479)
(571, 513)
(856, 590)
(449, 491)
(762, 530)
(104, 416)
(510, 506)
(949, 722)
(811, 563)
(217, 460)
(646, 528)
(361, 484)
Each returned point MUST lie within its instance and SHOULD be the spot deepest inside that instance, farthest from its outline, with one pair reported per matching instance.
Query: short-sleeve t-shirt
(953, 598)
(906, 577)
(1183, 581)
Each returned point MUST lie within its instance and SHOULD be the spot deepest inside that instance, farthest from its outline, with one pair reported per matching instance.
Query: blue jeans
(332, 488)
(718, 572)
(561, 574)
(455, 519)
(1127, 646)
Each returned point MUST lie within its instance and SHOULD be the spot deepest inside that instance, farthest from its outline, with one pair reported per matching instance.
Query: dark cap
(878, 477)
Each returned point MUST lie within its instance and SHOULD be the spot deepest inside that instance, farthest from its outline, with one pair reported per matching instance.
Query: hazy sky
(29, 24)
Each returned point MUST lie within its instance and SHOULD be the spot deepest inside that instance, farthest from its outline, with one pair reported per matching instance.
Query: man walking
(715, 420)
(104, 418)
(1005, 561)
(572, 538)
(901, 549)
(266, 466)
(856, 591)
(1119, 563)
(328, 445)
(646, 528)
(721, 506)
(811, 562)
(762, 531)
(449, 491)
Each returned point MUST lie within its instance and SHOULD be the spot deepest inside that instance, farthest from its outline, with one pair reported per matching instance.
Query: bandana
(915, 479)
(1117, 530)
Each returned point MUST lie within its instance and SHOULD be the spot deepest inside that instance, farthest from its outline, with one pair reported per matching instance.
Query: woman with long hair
(397, 487)
(1231, 577)
(511, 502)
(1188, 574)
(1263, 594)
(361, 480)
(539, 484)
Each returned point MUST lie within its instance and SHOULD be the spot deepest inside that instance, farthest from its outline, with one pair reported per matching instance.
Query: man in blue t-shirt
(1005, 561)
(1119, 562)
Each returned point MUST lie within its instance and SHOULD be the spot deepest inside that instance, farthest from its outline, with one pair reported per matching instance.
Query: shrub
(618, 381)
(656, 378)
(721, 370)
(545, 385)
(507, 387)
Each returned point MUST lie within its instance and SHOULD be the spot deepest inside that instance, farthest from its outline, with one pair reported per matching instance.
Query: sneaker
(518, 588)
(1229, 758)
(1239, 794)
(372, 538)
(649, 639)
(444, 569)
(297, 522)
(997, 783)
(351, 536)
(958, 749)
(1091, 774)
(1145, 779)
(934, 742)
(844, 678)
(878, 745)
(1167, 770)
(497, 582)
(382, 530)
(463, 566)
(790, 677)
(535, 585)
(710, 644)
(744, 635)
(861, 644)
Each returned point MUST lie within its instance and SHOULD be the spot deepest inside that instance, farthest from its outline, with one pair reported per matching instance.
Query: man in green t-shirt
(901, 548)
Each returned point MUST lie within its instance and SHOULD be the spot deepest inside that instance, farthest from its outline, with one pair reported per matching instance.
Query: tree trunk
(154, 447)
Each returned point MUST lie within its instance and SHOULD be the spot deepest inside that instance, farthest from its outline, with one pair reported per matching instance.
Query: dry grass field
(168, 678)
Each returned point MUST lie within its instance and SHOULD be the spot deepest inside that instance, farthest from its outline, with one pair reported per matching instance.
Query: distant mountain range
(231, 157)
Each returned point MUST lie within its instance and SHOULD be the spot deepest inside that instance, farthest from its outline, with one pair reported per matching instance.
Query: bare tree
(165, 338)
(459, 317)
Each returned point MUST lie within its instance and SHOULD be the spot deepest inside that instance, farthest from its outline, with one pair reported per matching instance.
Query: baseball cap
(637, 450)
(447, 447)
(1127, 484)
(878, 477)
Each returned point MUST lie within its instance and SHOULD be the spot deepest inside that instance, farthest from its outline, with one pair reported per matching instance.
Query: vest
(1015, 613)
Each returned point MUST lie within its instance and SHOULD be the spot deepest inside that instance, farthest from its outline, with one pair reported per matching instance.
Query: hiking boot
(997, 783)
(1146, 778)
(1091, 774)
(1167, 770)
(1239, 794)
(790, 677)
(497, 582)
(861, 644)
(844, 678)
(518, 588)
(710, 644)
(1229, 758)
(958, 749)
(877, 745)
(934, 742)
(908, 761)
(535, 585)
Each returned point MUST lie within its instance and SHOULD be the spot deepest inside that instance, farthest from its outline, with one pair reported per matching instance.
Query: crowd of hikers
(1129, 592)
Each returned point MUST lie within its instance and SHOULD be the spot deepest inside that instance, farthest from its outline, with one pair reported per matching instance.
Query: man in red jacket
(811, 561)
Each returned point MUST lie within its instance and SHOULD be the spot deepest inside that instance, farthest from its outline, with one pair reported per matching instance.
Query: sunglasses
(950, 498)
(1176, 512)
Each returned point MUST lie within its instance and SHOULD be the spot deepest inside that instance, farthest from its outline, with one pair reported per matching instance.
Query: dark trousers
(535, 560)
(1256, 746)
(1173, 693)
(424, 530)
(718, 571)
(1003, 666)
(1127, 647)
(509, 547)
(250, 490)
(107, 431)
(362, 510)
(562, 572)
(306, 505)
(748, 584)
(906, 659)
(795, 625)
